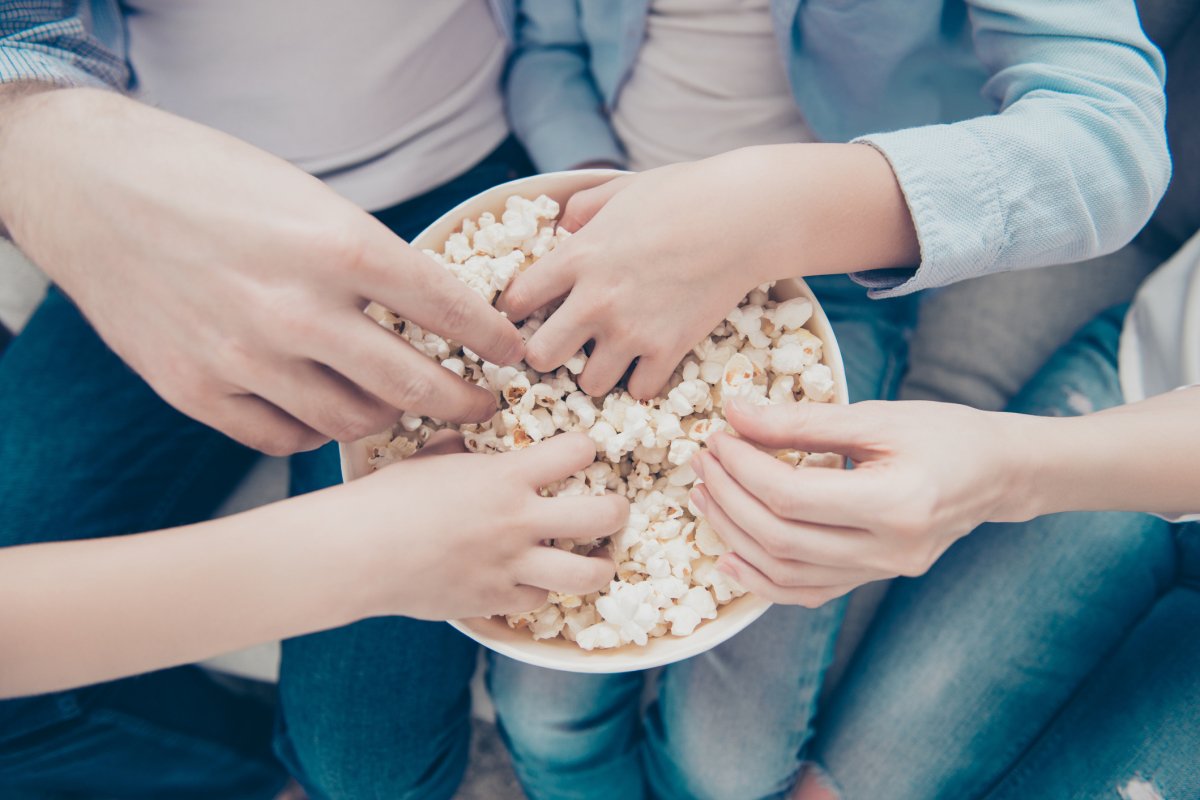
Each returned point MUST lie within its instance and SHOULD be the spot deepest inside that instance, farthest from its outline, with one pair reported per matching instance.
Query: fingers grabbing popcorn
(667, 581)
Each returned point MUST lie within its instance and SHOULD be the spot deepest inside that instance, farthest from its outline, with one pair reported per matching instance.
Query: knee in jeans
(337, 769)
(722, 768)
(547, 732)
(561, 719)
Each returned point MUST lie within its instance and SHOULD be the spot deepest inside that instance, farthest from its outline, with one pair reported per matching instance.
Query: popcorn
(791, 314)
(667, 582)
(683, 620)
(817, 383)
(796, 352)
(600, 635)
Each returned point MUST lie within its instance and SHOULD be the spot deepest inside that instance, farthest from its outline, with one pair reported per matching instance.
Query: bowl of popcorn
(667, 601)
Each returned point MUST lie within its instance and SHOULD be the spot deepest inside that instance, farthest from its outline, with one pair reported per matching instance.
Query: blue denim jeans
(732, 722)
(1065, 645)
(377, 709)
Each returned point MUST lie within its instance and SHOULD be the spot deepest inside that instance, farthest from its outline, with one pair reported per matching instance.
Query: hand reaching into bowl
(925, 475)
(230, 280)
(468, 539)
(659, 258)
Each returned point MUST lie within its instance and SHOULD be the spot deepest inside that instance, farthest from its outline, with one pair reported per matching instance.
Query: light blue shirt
(1024, 133)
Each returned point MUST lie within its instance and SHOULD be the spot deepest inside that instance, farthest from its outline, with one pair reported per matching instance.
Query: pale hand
(231, 281)
(659, 258)
(460, 535)
(648, 273)
(925, 475)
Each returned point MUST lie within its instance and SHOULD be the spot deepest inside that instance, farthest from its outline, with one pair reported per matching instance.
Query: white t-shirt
(1160, 343)
(709, 78)
(383, 99)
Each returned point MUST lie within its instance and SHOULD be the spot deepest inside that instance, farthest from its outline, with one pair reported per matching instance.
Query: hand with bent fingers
(925, 475)
(633, 255)
(695, 238)
(460, 534)
(230, 280)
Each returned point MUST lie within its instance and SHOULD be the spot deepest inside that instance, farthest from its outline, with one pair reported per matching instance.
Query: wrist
(1020, 469)
(341, 559)
(1037, 460)
(820, 209)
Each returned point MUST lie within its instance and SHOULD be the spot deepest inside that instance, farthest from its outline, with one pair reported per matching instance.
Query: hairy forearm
(12, 98)
(823, 208)
(81, 612)
(1139, 457)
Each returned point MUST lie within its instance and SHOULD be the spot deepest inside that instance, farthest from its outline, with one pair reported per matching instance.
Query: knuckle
(909, 522)
(777, 573)
(336, 243)
(350, 429)
(517, 296)
(775, 542)
(457, 312)
(282, 442)
(415, 390)
(780, 498)
(288, 318)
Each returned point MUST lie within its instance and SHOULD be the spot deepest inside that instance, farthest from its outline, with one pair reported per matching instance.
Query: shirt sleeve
(1070, 168)
(554, 105)
(62, 42)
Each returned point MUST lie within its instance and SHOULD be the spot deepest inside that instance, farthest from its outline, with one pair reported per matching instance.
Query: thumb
(443, 443)
(554, 459)
(583, 205)
(814, 427)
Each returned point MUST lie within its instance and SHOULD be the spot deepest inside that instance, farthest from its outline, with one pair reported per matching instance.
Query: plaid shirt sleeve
(64, 42)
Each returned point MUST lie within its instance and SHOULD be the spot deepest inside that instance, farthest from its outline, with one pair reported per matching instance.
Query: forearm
(81, 612)
(821, 209)
(13, 102)
(1139, 457)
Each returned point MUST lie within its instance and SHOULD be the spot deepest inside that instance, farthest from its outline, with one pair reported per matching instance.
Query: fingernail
(698, 466)
(698, 500)
(739, 405)
(725, 566)
(484, 409)
(516, 352)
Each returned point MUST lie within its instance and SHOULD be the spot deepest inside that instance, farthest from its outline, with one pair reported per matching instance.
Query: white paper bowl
(560, 654)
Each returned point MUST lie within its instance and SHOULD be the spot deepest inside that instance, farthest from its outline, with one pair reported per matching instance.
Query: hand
(661, 257)
(460, 535)
(231, 281)
(925, 475)
(642, 246)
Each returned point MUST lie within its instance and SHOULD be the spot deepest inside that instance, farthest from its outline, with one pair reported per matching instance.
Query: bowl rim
(558, 653)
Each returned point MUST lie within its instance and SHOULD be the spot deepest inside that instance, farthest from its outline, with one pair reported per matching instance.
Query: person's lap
(86, 450)
(965, 666)
(731, 722)
(1130, 731)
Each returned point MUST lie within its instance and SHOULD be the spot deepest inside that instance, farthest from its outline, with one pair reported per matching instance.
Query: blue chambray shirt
(1024, 133)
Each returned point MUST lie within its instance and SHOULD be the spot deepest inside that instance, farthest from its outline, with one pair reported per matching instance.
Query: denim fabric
(173, 733)
(1023, 133)
(965, 667)
(87, 449)
(1133, 722)
(731, 723)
